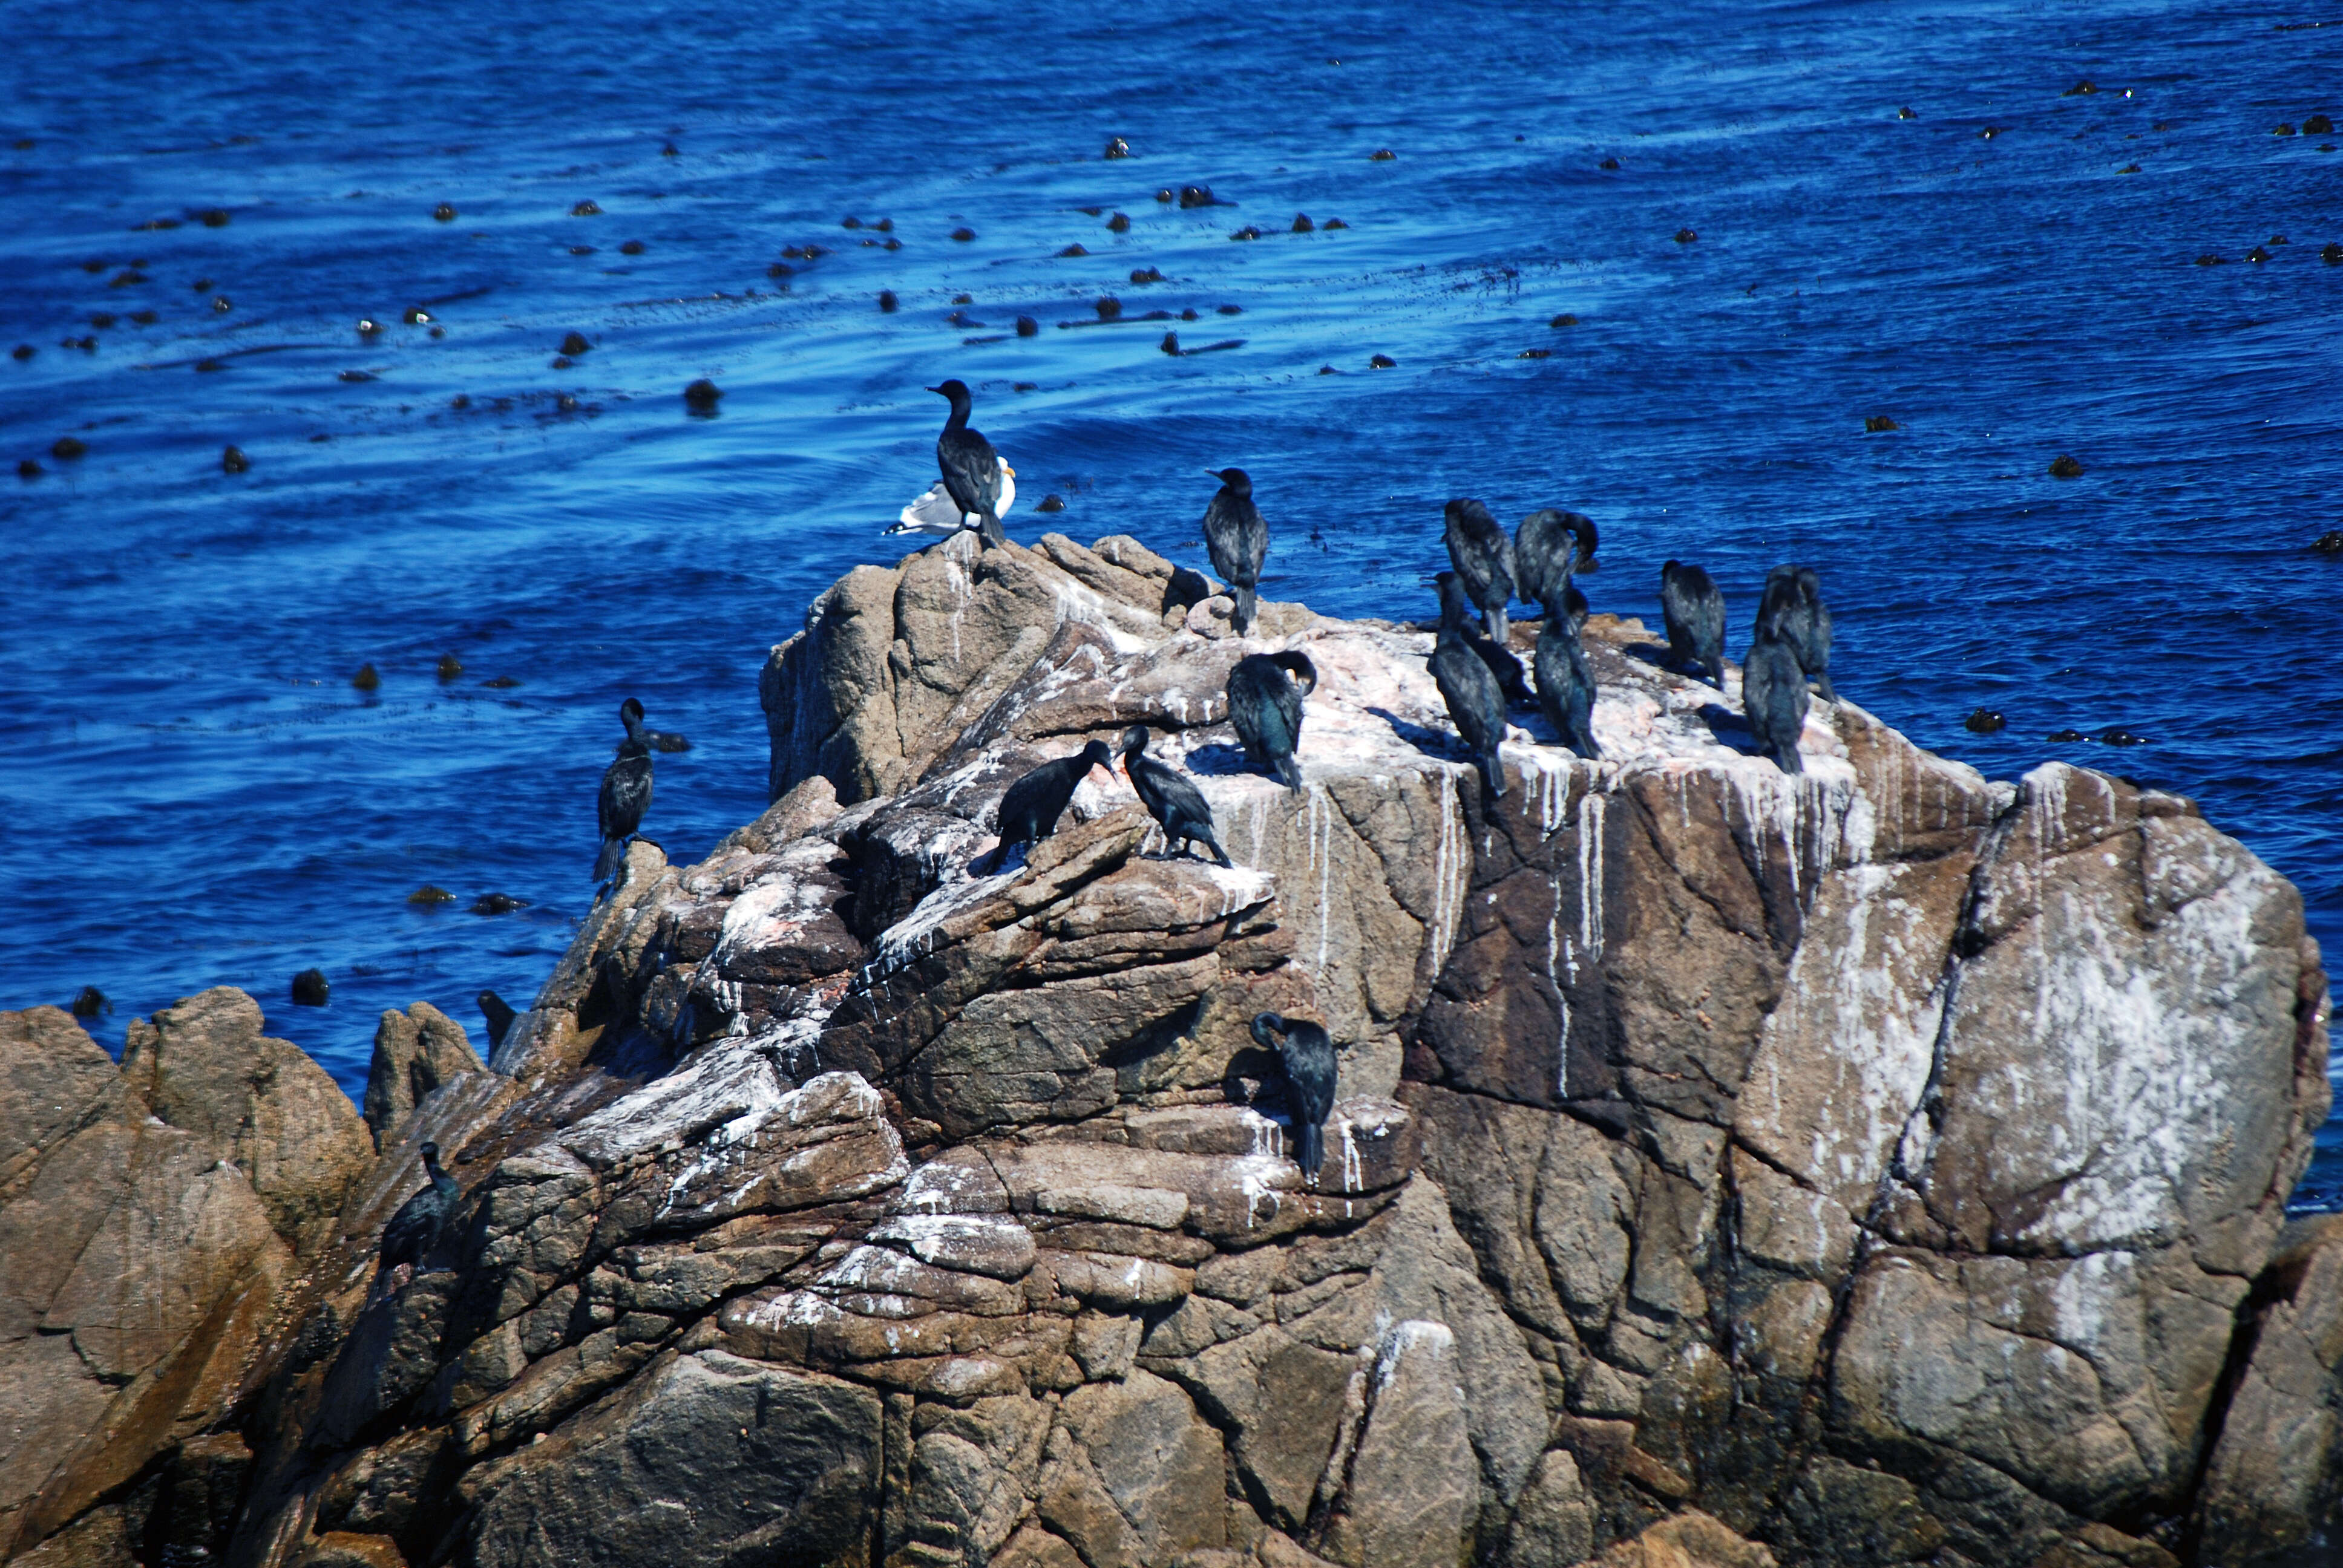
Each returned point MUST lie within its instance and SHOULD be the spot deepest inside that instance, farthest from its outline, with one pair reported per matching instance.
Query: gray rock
(415, 1052)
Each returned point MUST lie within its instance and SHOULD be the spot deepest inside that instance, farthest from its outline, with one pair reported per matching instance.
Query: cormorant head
(1236, 480)
(1668, 570)
(630, 714)
(1470, 512)
(1581, 527)
(1810, 585)
(430, 1155)
(1097, 756)
(1266, 1028)
(956, 390)
(1453, 605)
(1133, 742)
(1297, 666)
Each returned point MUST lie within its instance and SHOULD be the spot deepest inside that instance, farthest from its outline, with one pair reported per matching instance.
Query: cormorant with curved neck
(1548, 547)
(1237, 537)
(1692, 607)
(1795, 595)
(414, 1233)
(1475, 702)
(1565, 687)
(1773, 692)
(1307, 1053)
(1171, 798)
(626, 794)
(499, 1015)
(1030, 810)
(1483, 559)
(972, 468)
(630, 714)
(1265, 693)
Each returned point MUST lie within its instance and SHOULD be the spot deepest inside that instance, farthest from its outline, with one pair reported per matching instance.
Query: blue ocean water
(1760, 254)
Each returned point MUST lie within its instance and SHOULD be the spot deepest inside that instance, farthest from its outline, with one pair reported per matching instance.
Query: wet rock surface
(1880, 1164)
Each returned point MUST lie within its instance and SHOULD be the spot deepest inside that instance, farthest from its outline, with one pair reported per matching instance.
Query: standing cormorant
(630, 714)
(1307, 1053)
(1794, 594)
(1565, 687)
(626, 793)
(1030, 810)
(1265, 693)
(409, 1240)
(1483, 559)
(1773, 693)
(1548, 547)
(1475, 702)
(1237, 537)
(1692, 607)
(1175, 803)
(972, 468)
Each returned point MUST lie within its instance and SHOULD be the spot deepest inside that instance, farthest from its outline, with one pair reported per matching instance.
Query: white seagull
(933, 513)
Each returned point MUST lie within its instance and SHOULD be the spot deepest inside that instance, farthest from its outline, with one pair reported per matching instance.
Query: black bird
(1548, 547)
(972, 468)
(1265, 693)
(1506, 665)
(1773, 693)
(1030, 808)
(1565, 687)
(1483, 559)
(499, 1015)
(414, 1233)
(1175, 803)
(1795, 593)
(1693, 607)
(1238, 538)
(626, 794)
(1475, 702)
(630, 714)
(1307, 1054)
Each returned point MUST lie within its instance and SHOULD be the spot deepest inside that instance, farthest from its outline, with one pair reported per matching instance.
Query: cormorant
(1548, 547)
(1030, 810)
(409, 1240)
(972, 468)
(1795, 594)
(1307, 1053)
(1238, 538)
(1475, 702)
(630, 714)
(935, 514)
(1565, 687)
(1506, 665)
(1693, 607)
(626, 794)
(1265, 693)
(499, 1015)
(1483, 559)
(1773, 693)
(1177, 805)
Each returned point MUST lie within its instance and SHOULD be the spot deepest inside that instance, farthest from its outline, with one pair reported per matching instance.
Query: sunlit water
(196, 794)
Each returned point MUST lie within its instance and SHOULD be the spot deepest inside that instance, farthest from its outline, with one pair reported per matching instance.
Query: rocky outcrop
(1877, 1165)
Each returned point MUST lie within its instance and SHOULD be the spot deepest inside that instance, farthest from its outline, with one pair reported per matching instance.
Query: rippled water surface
(197, 795)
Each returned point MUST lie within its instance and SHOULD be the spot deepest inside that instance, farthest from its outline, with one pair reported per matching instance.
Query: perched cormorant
(499, 1015)
(935, 514)
(1238, 538)
(972, 468)
(1265, 693)
(1030, 809)
(414, 1232)
(1565, 687)
(1475, 702)
(1794, 594)
(1483, 559)
(1506, 665)
(630, 714)
(626, 794)
(1177, 805)
(1307, 1053)
(1693, 607)
(1773, 693)
(1548, 547)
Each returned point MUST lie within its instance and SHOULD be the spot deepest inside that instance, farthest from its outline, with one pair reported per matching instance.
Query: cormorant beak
(938, 390)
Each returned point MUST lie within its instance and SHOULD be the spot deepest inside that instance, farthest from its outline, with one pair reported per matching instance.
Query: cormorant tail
(1493, 622)
(1289, 773)
(1493, 776)
(1715, 668)
(1310, 1153)
(990, 530)
(1247, 605)
(613, 856)
(1218, 853)
(1788, 759)
(1822, 688)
